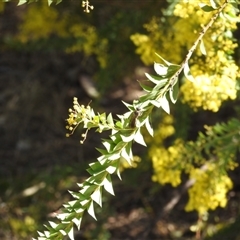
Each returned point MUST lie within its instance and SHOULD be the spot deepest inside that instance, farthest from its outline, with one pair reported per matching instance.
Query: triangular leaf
(202, 48)
(21, 2)
(155, 79)
(107, 184)
(97, 196)
(160, 69)
(146, 88)
(187, 73)
(77, 222)
(148, 126)
(173, 92)
(91, 210)
(71, 234)
(139, 138)
(214, 4)
(165, 104)
(50, 2)
(165, 61)
(126, 156)
(206, 8)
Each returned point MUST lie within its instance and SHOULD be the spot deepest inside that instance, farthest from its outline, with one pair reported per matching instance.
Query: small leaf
(71, 234)
(156, 103)
(50, 2)
(187, 73)
(107, 184)
(127, 137)
(165, 61)
(110, 119)
(91, 210)
(155, 79)
(97, 196)
(53, 224)
(165, 104)
(146, 88)
(173, 93)
(202, 48)
(160, 69)
(139, 138)
(21, 2)
(148, 126)
(126, 156)
(206, 8)
(214, 4)
(77, 222)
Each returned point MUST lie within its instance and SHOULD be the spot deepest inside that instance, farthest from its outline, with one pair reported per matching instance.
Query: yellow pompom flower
(209, 190)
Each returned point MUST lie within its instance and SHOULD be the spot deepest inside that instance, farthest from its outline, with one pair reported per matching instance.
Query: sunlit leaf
(148, 126)
(139, 138)
(97, 196)
(77, 222)
(21, 2)
(202, 48)
(165, 104)
(173, 92)
(156, 103)
(165, 61)
(107, 184)
(155, 79)
(187, 73)
(160, 69)
(214, 4)
(146, 88)
(126, 156)
(206, 8)
(127, 137)
(91, 210)
(71, 234)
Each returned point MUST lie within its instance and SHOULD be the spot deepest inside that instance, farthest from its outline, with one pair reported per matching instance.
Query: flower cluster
(165, 160)
(209, 190)
(215, 73)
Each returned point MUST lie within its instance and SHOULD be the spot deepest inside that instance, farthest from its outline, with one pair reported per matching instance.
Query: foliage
(212, 67)
(208, 159)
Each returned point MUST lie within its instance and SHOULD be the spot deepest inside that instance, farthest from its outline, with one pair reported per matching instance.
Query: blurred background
(50, 55)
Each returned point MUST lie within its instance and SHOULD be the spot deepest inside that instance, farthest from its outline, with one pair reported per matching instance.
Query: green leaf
(126, 156)
(108, 144)
(202, 48)
(165, 104)
(206, 8)
(146, 88)
(71, 234)
(127, 137)
(214, 4)
(165, 61)
(148, 126)
(156, 103)
(173, 92)
(187, 73)
(50, 2)
(160, 69)
(21, 2)
(107, 184)
(110, 119)
(77, 222)
(155, 79)
(139, 138)
(172, 70)
(97, 196)
(91, 210)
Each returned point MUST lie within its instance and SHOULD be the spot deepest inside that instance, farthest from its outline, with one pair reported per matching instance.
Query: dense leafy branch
(124, 132)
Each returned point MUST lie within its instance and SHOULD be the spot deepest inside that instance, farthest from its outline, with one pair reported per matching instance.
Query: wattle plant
(161, 89)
